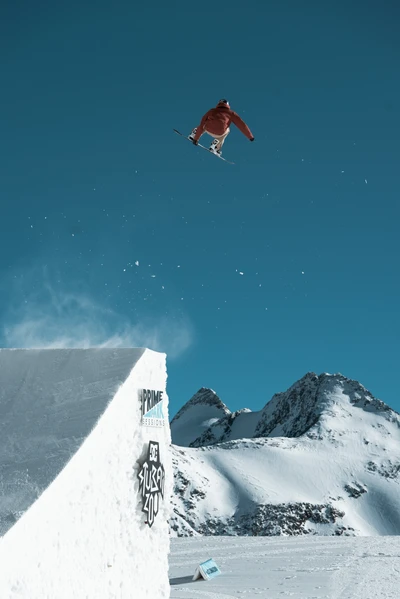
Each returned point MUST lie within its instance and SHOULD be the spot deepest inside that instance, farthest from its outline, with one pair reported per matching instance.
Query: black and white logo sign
(151, 482)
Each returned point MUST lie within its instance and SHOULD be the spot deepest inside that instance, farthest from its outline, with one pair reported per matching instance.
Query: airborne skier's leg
(218, 141)
(193, 133)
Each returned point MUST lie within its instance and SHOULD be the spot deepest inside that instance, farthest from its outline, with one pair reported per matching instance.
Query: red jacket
(217, 120)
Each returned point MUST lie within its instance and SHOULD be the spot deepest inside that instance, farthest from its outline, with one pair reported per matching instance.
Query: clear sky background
(114, 230)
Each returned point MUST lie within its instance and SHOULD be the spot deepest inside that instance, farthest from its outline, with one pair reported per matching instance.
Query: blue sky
(116, 231)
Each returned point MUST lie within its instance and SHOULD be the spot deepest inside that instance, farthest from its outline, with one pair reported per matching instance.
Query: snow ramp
(85, 474)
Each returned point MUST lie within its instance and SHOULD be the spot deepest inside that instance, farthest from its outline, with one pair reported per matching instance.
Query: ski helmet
(223, 101)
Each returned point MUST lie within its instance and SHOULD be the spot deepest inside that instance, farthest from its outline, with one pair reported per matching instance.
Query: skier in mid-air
(216, 123)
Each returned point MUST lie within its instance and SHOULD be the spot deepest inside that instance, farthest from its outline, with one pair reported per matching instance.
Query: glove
(195, 142)
(251, 138)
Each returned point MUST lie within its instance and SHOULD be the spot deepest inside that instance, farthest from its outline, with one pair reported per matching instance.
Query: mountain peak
(312, 400)
(203, 397)
(316, 405)
(197, 415)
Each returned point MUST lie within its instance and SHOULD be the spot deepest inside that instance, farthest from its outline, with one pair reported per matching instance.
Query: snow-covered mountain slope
(323, 457)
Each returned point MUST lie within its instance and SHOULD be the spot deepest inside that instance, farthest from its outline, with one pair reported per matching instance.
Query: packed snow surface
(296, 567)
(72, 421)
(50, 400)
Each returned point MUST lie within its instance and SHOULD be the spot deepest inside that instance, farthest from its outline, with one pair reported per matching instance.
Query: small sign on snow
(207, 570)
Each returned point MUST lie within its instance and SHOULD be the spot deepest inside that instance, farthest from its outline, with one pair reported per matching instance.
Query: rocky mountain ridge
(292, 413)
(322, 457)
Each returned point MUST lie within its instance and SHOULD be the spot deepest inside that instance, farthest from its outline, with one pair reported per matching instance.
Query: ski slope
(71, 421)
(296, 567)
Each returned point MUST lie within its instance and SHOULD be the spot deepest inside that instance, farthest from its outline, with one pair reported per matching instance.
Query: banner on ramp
(151, 482)
(152, 407)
